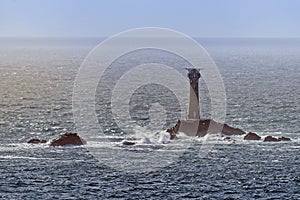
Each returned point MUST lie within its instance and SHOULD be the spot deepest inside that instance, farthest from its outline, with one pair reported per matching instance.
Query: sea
(261, 78)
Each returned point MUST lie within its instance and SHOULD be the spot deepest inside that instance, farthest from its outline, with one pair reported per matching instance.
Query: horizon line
(94, 37)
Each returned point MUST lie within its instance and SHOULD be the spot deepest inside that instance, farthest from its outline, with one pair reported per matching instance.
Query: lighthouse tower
(193, 125)
(194, 108)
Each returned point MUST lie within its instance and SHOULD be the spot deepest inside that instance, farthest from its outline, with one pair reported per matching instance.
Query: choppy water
(262, 82)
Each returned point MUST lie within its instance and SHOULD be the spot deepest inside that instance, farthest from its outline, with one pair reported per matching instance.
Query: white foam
(24, 157)
(164, 137)
(145, 140)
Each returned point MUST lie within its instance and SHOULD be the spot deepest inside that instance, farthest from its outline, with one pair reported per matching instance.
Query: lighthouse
(194, 108)
(193, 125)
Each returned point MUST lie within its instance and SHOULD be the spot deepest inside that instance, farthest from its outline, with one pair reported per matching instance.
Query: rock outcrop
(36, 141)
(201, 127)
(174, 130)
(270, 139)
(284, 139)
(252, 136)
(68, 139)
(274, 139)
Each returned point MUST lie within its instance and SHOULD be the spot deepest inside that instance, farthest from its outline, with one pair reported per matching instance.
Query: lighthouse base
(201, 127)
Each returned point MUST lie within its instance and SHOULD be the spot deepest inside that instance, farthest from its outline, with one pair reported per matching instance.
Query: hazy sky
(199, 18)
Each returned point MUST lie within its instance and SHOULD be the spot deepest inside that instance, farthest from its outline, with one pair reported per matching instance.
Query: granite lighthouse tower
(194, 106)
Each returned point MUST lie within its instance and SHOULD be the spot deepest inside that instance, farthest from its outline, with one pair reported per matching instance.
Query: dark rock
(68, 139)
(252, 136)
(174, 130)
(284, 139)
(36, 141)
(228, 130)
(128, 143)
(201, 127)
(229, 139)
(271, 139)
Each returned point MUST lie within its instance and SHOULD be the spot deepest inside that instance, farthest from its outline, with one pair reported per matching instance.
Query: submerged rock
(36, 141)
(68, 139)
(229, 139)
(128, 143)
(252, 136)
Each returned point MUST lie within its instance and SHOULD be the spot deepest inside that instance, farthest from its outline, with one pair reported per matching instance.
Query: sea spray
(164, 137)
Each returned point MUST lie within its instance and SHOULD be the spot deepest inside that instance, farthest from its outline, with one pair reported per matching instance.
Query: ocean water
(261, 79)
